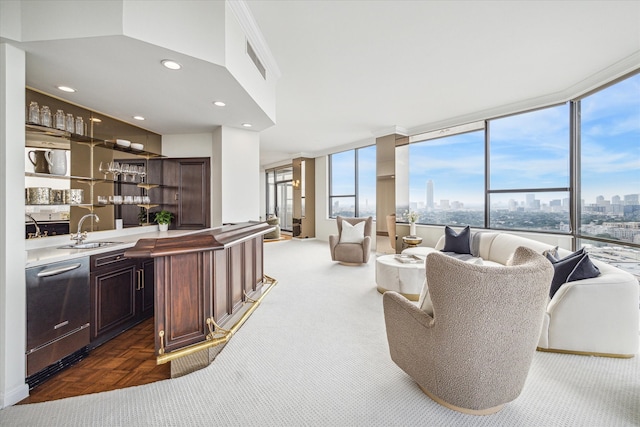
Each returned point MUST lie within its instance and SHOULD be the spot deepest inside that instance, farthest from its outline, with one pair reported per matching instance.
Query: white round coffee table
(406, 278)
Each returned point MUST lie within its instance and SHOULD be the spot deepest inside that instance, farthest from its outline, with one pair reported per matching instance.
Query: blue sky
(529, 150)
(611, 141)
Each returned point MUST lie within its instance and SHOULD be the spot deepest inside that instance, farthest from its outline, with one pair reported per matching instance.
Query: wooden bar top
(208, 240)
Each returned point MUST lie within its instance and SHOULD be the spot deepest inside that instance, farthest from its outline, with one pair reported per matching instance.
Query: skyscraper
(430, 195)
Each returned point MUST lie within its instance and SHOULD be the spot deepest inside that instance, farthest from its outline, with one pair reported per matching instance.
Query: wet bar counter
(202, 280)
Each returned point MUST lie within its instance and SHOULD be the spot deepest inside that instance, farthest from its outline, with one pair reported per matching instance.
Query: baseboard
(14, 396)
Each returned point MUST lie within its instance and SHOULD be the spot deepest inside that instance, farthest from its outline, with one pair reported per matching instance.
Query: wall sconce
(296, 183)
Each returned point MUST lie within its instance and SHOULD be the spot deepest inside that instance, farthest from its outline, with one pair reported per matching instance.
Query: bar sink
(89, 245)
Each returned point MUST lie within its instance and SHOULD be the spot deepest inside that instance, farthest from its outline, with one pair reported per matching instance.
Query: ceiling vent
(256, 60)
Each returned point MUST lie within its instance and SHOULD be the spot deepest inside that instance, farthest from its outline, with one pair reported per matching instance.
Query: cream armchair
(350, 250)
(473, 355)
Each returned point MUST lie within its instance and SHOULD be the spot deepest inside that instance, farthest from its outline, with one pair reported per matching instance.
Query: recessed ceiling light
(172, 65)
(219, 103)
(66, 89)
(138, 117)
(247, 125)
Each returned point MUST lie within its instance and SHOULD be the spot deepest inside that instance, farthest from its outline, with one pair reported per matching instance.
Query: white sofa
(598, 316)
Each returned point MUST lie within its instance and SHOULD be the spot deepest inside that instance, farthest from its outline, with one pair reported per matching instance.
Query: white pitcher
(57, 160)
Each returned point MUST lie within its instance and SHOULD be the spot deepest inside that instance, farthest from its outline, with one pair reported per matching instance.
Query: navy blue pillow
(459, 243)
(552, 254)
(576, 266)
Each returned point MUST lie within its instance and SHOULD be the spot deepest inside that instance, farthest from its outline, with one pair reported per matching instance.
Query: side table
(406, 278)
(412, 241)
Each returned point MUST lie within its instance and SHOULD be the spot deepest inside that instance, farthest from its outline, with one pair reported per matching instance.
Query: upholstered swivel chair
(354, 246)
(473, 355)
(275, 234)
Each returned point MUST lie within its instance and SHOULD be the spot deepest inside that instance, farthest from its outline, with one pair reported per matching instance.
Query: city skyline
(528, 150)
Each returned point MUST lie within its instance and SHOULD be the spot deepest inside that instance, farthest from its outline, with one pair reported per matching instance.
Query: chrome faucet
(37, 233)
(80, 235)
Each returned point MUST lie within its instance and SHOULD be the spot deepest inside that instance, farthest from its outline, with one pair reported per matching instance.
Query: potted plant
(163, 218)
(143, 217)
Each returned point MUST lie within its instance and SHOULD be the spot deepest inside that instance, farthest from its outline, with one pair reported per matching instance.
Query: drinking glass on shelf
(124, 169)
(70, 123)
(117, 200)
(128, 200)
(146, 200)
(45, 116)
(34, 113)
(79, 125)
(104, 168)
(60, 120)
(115, 169)
(111, 200)
(137, 200)
(133, 172)
(142, 171)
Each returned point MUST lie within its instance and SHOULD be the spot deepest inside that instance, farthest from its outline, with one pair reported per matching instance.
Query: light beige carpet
(315, 354)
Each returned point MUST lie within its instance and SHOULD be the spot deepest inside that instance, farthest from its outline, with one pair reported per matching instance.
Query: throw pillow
(551, 254)
(352, 233)
(459, 243)
(576, 266)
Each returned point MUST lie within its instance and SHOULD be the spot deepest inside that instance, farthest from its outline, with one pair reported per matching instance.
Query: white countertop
(46, 250)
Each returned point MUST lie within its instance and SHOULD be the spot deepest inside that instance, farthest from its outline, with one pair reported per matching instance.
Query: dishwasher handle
(58, 270)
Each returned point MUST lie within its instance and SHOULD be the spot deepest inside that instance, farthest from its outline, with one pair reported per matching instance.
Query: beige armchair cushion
(351, 253)
(473, 354)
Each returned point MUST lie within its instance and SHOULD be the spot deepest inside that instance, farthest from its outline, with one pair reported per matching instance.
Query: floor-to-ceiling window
(571, 169)
(352, 183)
(529, 171)
(279, 194)
(446, 177)
(609, 174)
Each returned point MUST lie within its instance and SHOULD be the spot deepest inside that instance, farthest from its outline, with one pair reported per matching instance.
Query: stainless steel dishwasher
(57, 312)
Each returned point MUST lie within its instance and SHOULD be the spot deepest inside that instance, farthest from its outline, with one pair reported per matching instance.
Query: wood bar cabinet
(202, 281)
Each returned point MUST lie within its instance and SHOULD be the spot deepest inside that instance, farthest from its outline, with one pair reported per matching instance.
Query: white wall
(48, 20)
(12, 242)
(239, 64)
(240, 194)
(194, 28)
(10, 20)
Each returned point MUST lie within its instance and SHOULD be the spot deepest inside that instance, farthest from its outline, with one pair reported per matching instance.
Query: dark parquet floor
(125, 361)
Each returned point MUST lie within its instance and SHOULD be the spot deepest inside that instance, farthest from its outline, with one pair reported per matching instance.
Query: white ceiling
(353, 68)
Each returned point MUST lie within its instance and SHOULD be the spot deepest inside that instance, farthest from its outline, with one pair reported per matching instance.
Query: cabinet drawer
(109, 259)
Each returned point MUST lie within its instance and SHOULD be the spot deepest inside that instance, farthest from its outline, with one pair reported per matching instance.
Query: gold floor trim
(439, 401)
(587, 353)
(410, 297)
(167, 357)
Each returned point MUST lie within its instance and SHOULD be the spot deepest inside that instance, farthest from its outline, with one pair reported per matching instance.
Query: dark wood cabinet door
(146, 287)
(183, 295)
(186, 191)
(113, 295)
(122, 294)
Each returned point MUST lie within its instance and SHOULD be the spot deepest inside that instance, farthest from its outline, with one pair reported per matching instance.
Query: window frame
(356, 174)
(489, 191)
